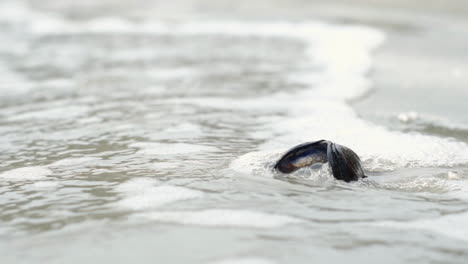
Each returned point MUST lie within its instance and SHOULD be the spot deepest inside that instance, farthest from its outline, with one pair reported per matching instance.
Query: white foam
(152, 148)
(13, 11)
(26, 174)
(450, 225)
(46, 184)
(426, 183)
(261, 161)
(452, 175)
(143, 193)
(224, 217)
(67, 162)
(408, 116)
(136, 185)
(379, 148)
(61, 112)
(179, 131)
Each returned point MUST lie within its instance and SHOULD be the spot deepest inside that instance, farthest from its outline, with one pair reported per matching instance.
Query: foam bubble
(452, 175)
(142, 193)
(224, 217)
(408, 116)
(26, 173)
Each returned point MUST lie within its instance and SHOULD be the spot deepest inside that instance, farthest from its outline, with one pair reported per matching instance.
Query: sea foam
(223, 217)
(26, 174)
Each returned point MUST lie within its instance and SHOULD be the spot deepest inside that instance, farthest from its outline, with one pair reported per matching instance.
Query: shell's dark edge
(344, 162)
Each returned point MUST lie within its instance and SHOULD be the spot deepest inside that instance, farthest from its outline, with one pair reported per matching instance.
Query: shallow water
(153, 140)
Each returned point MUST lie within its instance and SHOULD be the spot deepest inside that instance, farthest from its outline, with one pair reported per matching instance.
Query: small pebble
(451, 175)
(408, 117)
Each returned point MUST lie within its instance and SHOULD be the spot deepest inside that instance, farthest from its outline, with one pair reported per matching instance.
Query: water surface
(152, 140)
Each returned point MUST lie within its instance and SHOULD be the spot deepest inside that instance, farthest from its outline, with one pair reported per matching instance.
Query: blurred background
(147, 130)
(424, 51)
